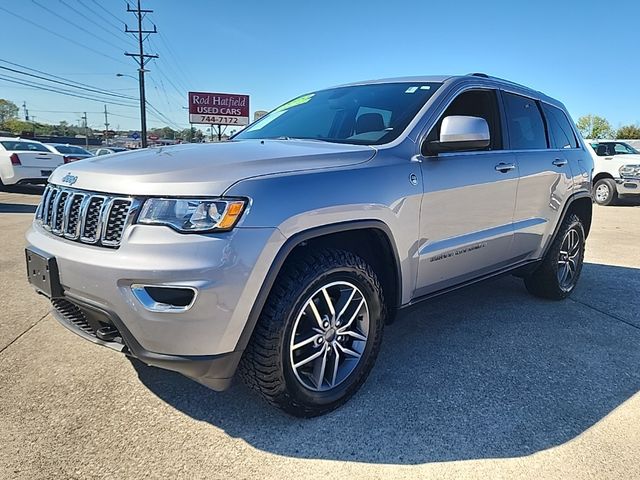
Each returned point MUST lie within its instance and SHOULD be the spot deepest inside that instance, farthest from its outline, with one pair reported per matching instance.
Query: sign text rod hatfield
(218, 108)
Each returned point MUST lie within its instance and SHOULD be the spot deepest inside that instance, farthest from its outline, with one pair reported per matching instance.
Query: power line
(176, 60)
(58, 77)
(31, 22)
(117, 95)
(92, 20)
(60, 91)
(79, 27)
(173, 69)
(107, 12)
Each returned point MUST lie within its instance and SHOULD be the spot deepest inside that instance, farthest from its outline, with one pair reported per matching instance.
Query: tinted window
(66, 149)
(624, 148)
(18, 146)
(361, 114)
(526, 128)
(475, 103)
(560, 130)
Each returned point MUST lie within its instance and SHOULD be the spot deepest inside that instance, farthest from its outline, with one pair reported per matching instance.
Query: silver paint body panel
(462, 219)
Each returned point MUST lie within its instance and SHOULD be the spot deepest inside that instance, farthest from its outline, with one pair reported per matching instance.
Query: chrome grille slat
(86, 217)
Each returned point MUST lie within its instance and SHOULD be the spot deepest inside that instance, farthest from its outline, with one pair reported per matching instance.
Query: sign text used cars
(218, 108)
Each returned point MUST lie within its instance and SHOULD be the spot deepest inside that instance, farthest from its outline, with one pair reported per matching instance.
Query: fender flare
(567, 205)
(294, 241)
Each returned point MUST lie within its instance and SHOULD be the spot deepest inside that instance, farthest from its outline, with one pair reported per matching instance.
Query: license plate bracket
(46, 173)
(42, 273)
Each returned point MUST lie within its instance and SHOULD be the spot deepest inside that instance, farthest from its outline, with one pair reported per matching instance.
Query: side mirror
(459, 133)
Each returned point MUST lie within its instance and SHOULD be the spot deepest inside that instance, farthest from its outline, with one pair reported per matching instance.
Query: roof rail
(478, 74)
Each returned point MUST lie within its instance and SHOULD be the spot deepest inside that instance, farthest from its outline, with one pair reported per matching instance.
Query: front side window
(371, 114)
(560, 130)
(623, 148)
(526, 128)
(474, 103)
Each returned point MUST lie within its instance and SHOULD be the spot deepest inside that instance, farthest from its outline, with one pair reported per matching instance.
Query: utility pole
(106, 126)
(86, 130)
(26, 112)
(142, 59)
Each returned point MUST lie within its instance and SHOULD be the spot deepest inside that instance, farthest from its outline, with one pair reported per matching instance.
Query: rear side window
(526, 128)
(18, 146)
(560, 129)
(70, 149)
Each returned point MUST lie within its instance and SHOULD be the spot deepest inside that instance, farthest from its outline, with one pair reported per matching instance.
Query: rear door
(545, 172)
(32, 154)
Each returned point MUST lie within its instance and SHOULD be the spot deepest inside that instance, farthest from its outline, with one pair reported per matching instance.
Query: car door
(545, 171)
(467, 208)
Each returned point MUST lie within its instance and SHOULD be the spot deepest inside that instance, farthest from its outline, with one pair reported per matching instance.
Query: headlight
(630, 171)
(192, 214)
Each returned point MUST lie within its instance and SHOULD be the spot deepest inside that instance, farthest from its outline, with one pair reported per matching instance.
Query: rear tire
(559, 271)
(318, 335)
(605, 192)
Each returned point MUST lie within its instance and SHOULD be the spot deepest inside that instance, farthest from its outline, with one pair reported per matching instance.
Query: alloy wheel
(568, 259)
(329, 336)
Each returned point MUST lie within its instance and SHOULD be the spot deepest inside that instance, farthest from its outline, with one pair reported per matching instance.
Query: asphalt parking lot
(486, 382)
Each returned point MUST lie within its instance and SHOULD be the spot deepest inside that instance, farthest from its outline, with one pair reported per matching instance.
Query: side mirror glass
(459, 133)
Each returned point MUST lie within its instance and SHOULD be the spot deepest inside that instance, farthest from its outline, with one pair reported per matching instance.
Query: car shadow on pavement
(484, 372)
(17, 208)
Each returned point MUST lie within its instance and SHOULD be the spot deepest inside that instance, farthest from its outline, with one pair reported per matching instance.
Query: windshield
(66, 149)
(361, 114)
(604, 149)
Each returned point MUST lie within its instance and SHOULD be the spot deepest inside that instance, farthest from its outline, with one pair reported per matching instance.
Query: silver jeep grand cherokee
(284, 252)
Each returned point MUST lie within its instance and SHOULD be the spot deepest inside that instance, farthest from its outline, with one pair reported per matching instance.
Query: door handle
(559, 162)
(504, 167)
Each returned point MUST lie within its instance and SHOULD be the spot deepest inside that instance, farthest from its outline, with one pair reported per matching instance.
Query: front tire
(558, 274)
(318, 335)
(605, 192)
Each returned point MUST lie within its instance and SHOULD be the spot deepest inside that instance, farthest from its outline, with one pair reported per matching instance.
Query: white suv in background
(26, 161)
(616, 170)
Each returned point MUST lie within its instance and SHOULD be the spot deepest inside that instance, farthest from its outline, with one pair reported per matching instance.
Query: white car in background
(616, 170)
(26, 162)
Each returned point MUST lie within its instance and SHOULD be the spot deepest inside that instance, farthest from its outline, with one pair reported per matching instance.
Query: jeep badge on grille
(70, 179)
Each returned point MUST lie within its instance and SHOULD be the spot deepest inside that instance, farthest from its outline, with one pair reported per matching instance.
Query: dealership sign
(218, 108)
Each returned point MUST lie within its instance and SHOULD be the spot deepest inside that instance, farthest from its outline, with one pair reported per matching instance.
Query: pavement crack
(23, 333)
(615, 317)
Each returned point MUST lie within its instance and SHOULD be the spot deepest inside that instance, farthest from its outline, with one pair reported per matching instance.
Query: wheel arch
(600, 176)
(363, 237)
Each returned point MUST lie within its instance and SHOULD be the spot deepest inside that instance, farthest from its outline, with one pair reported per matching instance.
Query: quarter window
(560, 130)
(526, 128)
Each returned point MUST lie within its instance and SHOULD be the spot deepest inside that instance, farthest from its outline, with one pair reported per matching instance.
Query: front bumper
(19, 175)
(89, 320)
(628, 186)
(227, 269)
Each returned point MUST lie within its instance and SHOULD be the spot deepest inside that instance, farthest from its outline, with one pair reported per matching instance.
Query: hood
(203, 169)
(617, 160)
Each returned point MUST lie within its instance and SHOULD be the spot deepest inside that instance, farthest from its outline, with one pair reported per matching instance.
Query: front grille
(85, 217)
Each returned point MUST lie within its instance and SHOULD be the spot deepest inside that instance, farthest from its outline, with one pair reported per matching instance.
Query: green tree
(17, 127)
(628, 132)
(594, 127)
(8, 111)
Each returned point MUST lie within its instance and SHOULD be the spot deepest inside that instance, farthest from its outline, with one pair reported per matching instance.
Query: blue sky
(580, 52)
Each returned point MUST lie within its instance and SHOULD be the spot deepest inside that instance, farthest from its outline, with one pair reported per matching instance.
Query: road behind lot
(486, 382)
